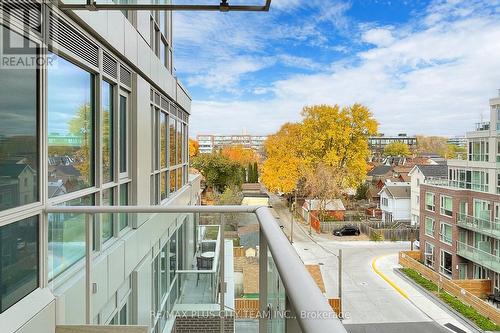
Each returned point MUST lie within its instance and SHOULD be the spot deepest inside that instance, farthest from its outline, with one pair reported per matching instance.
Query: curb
(465, 321)
(389, 281)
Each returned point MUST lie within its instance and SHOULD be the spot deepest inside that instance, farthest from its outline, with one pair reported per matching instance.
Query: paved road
(369, 303)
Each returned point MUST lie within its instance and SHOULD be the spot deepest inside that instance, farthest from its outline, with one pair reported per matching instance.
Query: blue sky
(422, 67)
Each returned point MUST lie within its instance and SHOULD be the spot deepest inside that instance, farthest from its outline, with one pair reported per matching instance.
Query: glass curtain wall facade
(169, 135)
(67, 139)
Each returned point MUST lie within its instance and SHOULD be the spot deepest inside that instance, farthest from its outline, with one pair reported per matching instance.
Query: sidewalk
(428, 306)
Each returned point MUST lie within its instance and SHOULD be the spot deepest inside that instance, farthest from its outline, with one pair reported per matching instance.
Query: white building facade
(209, 143)
(395, 202)
(419, 175)
(101, 114)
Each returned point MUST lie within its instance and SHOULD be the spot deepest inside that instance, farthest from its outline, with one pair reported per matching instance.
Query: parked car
(348, 230)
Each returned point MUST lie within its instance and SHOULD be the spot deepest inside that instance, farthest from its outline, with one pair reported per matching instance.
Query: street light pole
(294, 205)
(340, 280)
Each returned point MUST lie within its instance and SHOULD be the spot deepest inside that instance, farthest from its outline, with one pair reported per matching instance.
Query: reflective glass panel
(19, 155)
(107, 131)
(18, 261)
(70, 128)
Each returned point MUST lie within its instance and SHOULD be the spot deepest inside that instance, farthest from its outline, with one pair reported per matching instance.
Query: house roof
(12, 170)
(331, 205)
(380, 170)
(398, 191)
(69, 170)
(434, 171)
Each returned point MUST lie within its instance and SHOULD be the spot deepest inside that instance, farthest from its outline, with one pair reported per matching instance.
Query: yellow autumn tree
(336, 137)
(240, 154)
(397, 149)
(194, 148)
(332, 138)
(282, 169)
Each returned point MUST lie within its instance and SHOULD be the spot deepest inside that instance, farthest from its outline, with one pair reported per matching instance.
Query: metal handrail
(312, 310)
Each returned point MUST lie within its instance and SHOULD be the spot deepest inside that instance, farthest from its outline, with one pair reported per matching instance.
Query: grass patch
(465, 310)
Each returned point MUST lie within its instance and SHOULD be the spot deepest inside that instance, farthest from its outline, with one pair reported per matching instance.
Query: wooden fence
(249, 308)
(246, 308)
(336, 305)
(467, 291)
(374, 230)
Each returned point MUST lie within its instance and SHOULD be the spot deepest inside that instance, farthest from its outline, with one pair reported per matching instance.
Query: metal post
(221, 276)
(89, 230)
(262, 281)
(291, 228)
(340, 281)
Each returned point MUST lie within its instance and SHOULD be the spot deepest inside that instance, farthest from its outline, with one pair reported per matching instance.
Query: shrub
(466, 310)
(376, 236)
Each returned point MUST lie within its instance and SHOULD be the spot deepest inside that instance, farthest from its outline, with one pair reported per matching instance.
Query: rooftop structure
(210, 143)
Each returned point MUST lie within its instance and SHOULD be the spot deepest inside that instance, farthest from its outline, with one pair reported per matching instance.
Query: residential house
(395, 202)
(333, 208)
(419, 174)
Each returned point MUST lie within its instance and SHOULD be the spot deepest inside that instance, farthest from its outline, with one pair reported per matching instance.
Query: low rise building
(420, 174)
(209, 143)
(395, 202)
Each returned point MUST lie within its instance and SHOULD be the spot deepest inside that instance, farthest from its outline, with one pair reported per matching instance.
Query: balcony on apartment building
(479, 256)
(484, 226)
(195, 273)
(458, 185)
(482, 126)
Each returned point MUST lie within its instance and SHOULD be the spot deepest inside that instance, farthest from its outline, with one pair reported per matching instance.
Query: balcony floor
(197, 294)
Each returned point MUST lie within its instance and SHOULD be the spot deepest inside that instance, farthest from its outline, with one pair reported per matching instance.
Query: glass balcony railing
(211, 259)
(483, 226)
(479, 256)
(454, 184)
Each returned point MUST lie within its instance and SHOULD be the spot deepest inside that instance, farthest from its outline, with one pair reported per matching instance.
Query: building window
(124, 201)
(173, 178)
(172, 140)
(429, 254)
(70, 128)
(123, 133)
(445, 266)
(163, 185)
(385, 202)
(163, 140)
(429, 226)
(480, 272)
(446, 207)
(19, 138)
(107, 219)
(429, 202)
(67, 237)
(445, 234)
(107, 132)
(19, 261)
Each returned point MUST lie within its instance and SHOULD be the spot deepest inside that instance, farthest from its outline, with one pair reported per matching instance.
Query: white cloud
(378, 36)
(436, 80)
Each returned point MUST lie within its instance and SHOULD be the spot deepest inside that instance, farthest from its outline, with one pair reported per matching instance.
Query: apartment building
(459, 216)
(92, 117)
(209, 143)
(377, 143)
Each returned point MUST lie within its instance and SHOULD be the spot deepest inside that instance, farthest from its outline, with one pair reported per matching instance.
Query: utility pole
(294, 205)
(340, 280)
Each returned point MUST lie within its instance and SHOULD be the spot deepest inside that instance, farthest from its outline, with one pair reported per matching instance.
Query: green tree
(397, 149)
(255, 172)
(219, 171)
(81, 126)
